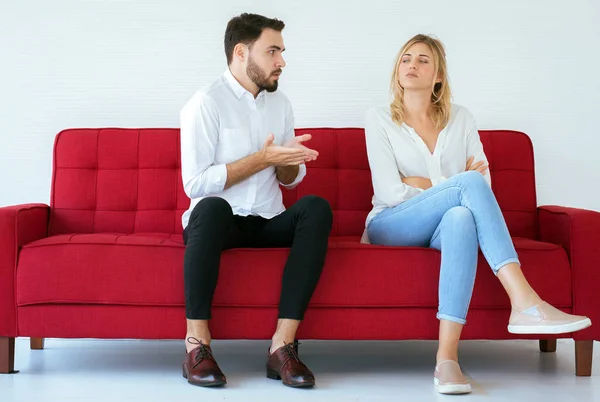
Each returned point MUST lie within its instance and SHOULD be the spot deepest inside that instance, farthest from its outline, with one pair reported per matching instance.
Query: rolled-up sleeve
(199, 139)
(387, 182)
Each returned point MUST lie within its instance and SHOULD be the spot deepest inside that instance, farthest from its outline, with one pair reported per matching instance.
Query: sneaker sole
(451, 389)
(550, 329)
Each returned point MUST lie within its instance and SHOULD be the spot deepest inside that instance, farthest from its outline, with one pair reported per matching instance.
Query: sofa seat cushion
(146, 269)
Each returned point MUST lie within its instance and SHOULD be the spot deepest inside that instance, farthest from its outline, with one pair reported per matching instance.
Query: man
(237, 147)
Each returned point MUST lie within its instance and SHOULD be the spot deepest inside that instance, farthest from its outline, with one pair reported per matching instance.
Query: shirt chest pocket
(234, 144)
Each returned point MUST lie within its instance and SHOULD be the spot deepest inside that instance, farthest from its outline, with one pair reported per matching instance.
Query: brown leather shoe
(285, 365)
(200, 367)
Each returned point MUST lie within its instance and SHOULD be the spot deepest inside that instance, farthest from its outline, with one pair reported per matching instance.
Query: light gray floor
(95, 370)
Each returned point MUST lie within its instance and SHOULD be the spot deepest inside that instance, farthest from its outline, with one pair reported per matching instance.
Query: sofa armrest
(19, 225)
(578, 231)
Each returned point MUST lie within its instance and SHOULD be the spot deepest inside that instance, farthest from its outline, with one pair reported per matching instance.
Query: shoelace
(290, 353)
(204, 353)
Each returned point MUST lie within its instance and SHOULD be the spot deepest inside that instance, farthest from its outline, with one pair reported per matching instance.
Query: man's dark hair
(247, 28)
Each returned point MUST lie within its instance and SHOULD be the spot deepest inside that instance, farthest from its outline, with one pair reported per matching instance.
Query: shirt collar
(237, 88)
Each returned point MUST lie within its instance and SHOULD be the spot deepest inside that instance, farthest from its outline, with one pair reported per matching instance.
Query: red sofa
(105, 259)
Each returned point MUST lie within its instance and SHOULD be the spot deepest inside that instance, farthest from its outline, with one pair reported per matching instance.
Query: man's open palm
(297, 142)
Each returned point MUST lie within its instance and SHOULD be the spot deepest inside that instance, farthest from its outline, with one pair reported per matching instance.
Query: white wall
(525, 65)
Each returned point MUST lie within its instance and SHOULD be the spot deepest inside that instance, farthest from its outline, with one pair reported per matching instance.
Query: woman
(432, 188)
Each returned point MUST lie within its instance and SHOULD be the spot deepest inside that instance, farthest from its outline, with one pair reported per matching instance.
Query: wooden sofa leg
(584, 351)
(548, 345)
(7, 355)
(36, 343)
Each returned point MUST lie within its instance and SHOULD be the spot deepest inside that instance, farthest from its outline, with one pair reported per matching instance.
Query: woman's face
(417, 70)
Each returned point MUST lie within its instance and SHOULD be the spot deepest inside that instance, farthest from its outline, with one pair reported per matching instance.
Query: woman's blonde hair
(440, 93)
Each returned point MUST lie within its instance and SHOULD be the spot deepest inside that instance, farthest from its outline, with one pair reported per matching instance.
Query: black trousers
(213, 227)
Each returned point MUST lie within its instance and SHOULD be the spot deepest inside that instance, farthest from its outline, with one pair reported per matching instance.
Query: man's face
(265, 60)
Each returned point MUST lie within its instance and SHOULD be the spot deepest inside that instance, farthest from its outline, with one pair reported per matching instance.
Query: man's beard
(260, 78)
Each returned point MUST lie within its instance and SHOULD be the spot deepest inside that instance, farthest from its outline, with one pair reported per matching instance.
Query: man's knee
(211, 208)
(318, 207)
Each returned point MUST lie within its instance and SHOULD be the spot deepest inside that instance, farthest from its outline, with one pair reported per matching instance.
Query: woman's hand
(480, 166)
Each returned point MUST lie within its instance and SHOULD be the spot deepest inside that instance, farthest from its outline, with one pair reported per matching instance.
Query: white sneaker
(545, 319)
(449, 379)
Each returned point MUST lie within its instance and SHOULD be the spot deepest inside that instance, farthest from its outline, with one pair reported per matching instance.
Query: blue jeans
(457, 217)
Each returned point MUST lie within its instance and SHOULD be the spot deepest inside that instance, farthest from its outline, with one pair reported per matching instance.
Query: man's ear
(240, 51)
